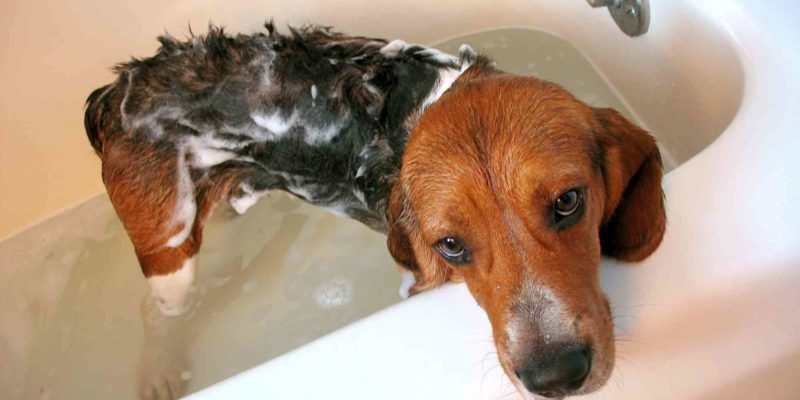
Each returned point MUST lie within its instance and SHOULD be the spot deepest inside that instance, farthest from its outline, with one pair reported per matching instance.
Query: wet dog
(506, 182)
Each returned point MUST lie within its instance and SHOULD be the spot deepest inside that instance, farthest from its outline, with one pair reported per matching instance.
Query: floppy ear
(634, 218)
(407, 246)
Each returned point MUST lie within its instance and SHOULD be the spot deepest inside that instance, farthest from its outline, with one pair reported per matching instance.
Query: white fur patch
(447, 76)
(439, 56)
(124, 103)
(322, 135)
(393, 48)
(242, 203)
(171, 290)
(185, 205)
(406, 283)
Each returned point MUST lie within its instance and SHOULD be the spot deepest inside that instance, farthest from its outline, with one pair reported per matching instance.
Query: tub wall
(53, 54)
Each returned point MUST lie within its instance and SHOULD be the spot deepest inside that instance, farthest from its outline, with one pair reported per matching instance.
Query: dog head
(516, 187)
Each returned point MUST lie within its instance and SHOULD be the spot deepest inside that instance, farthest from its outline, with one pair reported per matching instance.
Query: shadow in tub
(281, 276)
(701, 329)
(776, 381)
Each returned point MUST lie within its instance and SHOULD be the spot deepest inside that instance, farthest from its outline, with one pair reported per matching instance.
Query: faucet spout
(631, 16)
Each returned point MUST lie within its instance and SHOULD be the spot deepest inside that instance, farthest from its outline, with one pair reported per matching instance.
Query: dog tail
(96, 113)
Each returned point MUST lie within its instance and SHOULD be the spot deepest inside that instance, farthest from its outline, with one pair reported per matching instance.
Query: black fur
(345, 104)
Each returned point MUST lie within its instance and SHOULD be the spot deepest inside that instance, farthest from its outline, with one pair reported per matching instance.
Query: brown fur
(634, 219)
(141, 183)
(486, 163)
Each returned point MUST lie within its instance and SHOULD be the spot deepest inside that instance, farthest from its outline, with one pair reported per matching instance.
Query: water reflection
(75, 324)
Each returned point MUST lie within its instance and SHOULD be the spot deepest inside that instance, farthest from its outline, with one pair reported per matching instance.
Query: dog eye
(568, 203)
(567, 209)
(453, 250)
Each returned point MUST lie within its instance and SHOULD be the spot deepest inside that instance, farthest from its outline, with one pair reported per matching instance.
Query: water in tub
(274, 279)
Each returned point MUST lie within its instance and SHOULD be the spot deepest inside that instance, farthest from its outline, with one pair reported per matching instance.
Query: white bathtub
(713, 313)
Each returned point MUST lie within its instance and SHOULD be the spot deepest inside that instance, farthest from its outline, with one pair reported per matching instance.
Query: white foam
(205, 157)
(151, 121)
(171, 290)
(185, 205)
(105, 92)
(361, 171)
(439, 56)
(274, 123)
(334, 293)
(243, 202)
(553, 321)
(393, 48)
(322, 135)
(123, 104)
(360, 196)
(300, 191)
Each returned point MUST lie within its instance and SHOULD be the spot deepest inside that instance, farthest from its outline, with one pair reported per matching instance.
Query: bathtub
(711, 315)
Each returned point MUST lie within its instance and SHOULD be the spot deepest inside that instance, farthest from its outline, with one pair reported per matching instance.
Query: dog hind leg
(163, 210)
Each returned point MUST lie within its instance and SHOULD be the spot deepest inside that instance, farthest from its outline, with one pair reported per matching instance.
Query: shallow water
(281, 276)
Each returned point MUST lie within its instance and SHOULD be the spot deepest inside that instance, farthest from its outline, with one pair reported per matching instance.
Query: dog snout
(557, 372)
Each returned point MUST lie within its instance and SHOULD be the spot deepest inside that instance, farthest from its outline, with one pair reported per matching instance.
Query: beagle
(506, 182)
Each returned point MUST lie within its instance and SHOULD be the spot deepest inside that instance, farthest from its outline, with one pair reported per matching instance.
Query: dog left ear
(407, 246)
(634, 219)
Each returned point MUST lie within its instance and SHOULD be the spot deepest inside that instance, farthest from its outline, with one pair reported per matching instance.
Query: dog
(505, 182)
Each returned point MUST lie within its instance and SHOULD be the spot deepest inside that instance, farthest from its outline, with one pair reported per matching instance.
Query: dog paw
(162, 376)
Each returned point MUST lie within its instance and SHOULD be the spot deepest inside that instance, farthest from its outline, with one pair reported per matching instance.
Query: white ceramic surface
(711, 315)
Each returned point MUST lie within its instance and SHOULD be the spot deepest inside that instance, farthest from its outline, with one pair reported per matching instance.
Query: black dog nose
(561, 372)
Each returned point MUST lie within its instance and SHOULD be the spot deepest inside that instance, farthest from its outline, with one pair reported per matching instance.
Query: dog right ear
(634, 220)
(407, 247)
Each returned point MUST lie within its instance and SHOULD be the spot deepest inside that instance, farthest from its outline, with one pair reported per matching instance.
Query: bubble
(333, 293)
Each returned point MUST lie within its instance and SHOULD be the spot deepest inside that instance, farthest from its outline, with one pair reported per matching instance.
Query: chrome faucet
(631, 16)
